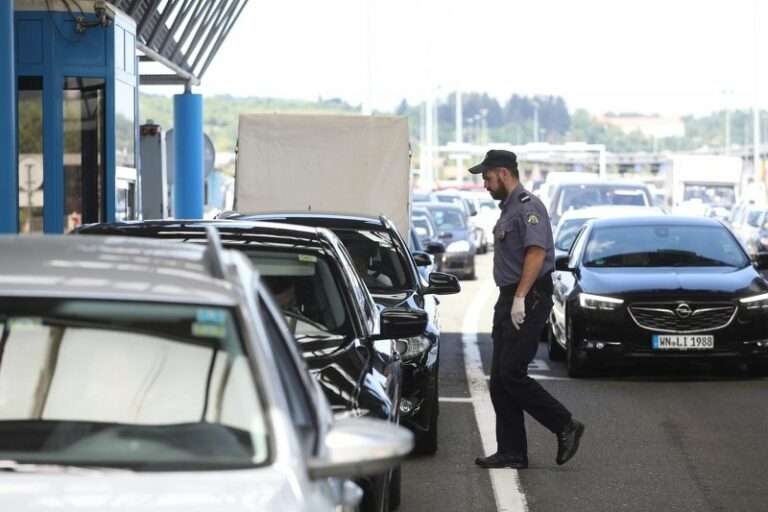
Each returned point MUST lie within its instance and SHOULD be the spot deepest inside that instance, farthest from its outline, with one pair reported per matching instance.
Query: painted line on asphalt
(505, 482)
(457, 399)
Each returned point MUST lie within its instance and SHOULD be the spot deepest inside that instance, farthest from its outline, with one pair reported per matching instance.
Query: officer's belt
(542, 283)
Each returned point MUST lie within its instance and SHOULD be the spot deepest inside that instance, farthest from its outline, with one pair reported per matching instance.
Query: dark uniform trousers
(512, 390)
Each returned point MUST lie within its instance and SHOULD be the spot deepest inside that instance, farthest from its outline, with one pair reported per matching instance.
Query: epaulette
(524, 197)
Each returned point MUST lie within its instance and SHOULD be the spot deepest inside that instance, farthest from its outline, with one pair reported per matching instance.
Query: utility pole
(535, 121)
(459, 136)
(756, 168)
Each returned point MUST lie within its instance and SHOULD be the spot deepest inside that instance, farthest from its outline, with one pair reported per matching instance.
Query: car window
(292, 376)
(448, 219)
(305, 288)
(127, 384)
(376, 259)
(753, 217)
(663, 246)
(577, 247)
(576, 197)
(566, 233)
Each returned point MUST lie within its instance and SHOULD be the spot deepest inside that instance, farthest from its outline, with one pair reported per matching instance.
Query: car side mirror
(422, 259)
(355, 447)
(434, 247)
(441, 283)
(400, 322)
(561, 264)
(472, 211)
(761, 262)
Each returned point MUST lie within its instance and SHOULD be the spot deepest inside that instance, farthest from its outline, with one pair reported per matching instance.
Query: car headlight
(589, 301)
(411, 348)
(756, 301)
(460, 246)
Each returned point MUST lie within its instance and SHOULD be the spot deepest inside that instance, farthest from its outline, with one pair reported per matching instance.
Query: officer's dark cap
(496, 158)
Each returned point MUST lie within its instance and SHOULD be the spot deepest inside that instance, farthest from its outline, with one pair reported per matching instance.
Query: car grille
(671, 317)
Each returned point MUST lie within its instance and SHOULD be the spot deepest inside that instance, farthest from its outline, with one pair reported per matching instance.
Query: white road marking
(505, 482)
(457, 399)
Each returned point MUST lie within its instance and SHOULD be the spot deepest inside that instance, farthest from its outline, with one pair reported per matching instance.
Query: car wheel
(394, 489)
(555, 351)
(576, 367)
(426, 443)
(472, 274)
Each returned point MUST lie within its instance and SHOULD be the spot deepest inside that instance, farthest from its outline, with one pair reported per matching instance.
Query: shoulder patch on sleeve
(524, 197)
(532, 218)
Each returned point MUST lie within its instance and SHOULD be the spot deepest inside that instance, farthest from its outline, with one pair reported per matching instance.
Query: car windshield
(753, 217)
(143, 386)
(566, 234)
(663, 246)
(376, 259)
(422, 223)
(448, 219)
(713, 195)
(305, 288)
(575, 197)
(488, 205)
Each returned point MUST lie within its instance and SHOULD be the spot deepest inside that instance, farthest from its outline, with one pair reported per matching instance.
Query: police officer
(523, 261)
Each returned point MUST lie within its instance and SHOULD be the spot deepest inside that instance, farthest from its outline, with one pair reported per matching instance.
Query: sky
(671, 57)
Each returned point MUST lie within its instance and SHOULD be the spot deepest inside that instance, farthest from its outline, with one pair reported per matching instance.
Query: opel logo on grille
(683, 310)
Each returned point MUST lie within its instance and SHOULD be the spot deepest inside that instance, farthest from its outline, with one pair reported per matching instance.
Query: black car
(659, 289)
(347, 342)
(388, 269)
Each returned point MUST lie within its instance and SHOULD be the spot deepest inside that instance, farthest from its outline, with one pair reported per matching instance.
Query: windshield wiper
(24, 467)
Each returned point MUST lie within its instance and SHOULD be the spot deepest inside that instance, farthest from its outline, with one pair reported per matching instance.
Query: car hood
(223, 491)
(704, 280)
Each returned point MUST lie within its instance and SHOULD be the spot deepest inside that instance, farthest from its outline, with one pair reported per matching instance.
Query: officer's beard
(500, 193)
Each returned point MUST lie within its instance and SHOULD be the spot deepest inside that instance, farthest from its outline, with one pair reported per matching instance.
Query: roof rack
(214, 253)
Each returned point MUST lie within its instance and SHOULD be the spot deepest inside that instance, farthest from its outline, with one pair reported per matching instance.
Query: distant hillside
(487, 120)
(220, 113)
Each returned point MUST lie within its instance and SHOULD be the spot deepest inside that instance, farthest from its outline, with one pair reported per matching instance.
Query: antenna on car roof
(214, 252)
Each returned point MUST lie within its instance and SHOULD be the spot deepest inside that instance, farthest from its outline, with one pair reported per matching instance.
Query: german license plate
(687, 342)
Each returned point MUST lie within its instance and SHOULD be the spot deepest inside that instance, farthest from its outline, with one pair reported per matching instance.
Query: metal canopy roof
(183, 35)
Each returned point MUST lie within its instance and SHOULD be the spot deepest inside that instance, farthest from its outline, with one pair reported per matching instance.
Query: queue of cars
(374, 356)
(168, 372)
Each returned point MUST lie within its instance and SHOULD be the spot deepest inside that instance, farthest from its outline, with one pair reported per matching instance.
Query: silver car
(145, 375)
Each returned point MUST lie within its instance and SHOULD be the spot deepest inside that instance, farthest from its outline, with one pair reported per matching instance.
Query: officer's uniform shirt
(524, 222)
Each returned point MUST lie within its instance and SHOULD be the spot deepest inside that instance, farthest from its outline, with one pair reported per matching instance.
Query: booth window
(30, 131)
(84, 150)
(125, 125)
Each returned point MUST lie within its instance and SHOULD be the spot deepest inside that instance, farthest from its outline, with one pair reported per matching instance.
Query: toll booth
(77, 78)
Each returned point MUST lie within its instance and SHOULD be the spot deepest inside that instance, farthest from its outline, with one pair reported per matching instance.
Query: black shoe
(568, 441)
(503, 460)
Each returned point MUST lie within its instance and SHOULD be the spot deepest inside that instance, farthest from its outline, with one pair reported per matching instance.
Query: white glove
(518, 312)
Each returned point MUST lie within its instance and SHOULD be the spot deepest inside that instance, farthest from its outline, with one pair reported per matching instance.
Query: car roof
(325, 220)
(448, 206)
(658, 220)
(607, 211)
(617, 183)
(244, 232)
(109, 267)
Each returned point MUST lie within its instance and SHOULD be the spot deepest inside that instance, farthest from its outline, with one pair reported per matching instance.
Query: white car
(572, 221)
(144, 375)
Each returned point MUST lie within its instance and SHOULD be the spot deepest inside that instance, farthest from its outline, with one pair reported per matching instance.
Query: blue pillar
(9, 174)
(188, 155)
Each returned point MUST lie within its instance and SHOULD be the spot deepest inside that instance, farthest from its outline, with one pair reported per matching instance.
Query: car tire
(472, 274)
(426, 443)
(554, 350)
(576, 367)
(394, 489)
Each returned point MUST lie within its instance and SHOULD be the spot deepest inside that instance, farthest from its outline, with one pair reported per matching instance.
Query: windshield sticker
(308, 258)
(202, 330)
(210, 316)
(25, 322)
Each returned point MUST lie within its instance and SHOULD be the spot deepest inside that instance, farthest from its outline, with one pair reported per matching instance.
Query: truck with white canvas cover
(697, 182)
(343, 164)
